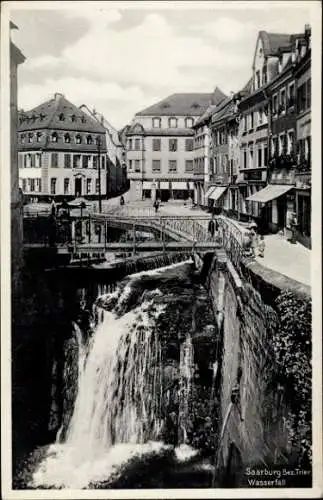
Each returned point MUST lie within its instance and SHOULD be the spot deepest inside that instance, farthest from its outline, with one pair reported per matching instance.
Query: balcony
(284, 160)
(303, 165)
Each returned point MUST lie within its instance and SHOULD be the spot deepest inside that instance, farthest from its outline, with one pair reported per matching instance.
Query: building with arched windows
(160, 146)
(60, 147)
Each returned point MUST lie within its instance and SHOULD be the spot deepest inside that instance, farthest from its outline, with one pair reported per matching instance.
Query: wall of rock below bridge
(260, 424)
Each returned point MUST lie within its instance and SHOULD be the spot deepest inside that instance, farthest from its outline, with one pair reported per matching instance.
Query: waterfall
(117, 411)
(186, 369)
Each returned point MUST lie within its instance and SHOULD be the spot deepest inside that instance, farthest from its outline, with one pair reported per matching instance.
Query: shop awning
(146, 185)
(217, 193)
(164, 185)
(270, 192)
(209, 191)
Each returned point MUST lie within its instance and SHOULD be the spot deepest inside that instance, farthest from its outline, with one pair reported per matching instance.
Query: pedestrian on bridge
(156, 205)
(213, 227)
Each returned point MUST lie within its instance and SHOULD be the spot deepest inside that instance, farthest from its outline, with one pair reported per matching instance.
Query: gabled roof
(48, 114)
(273, 41)
(188, 104)
(226, 111)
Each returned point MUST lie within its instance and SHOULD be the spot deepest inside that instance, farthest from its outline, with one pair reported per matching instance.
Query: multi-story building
(16, 58)
(202, 156)
(116, 171)
(224, 131)
(62, 152)
(160, 146)
(303, 135)
(277, 202)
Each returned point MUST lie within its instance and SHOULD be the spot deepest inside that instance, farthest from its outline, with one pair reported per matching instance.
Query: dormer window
(42, 117)
(156, 122)
(189, 122)
(67, 138)
(195, 105)
(172, 122)
(39, 136)
(34, 118)
(73, 118)
(30, 138)
(54, 137)
(89, 139)
(83, 119)
(23, 138)
(61, 117)
(165, 105)
(78, 139)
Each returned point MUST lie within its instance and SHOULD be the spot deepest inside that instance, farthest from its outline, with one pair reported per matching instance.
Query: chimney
(57, 96)
(102, 120)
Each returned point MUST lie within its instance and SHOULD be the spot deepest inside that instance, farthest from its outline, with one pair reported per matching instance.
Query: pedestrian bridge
(89, 236)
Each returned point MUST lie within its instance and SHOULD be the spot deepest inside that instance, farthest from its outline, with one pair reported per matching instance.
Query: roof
(225, 111)
(16, 55)
(49, 114)
(188, 104)
(273, 41)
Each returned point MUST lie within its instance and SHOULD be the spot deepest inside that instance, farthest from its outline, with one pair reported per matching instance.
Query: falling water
(118, 404)
(186, 368)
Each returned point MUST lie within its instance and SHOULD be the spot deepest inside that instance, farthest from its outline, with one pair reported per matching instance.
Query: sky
(120, 57)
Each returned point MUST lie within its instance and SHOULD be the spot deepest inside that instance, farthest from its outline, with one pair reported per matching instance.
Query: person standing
(261, 246)
(156, 205)
(211, 228)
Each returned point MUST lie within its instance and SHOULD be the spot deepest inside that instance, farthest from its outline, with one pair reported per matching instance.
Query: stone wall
(254, 428)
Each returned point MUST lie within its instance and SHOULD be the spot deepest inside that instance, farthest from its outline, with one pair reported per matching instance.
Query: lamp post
(99, 172)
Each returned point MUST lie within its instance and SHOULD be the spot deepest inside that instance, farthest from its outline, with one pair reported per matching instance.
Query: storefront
(216, 197)
(275, 206)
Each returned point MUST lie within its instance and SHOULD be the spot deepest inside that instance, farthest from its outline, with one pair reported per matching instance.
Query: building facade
(16, 58)
(303, 136)
(62, 152)
(116, 171)
(160, 146)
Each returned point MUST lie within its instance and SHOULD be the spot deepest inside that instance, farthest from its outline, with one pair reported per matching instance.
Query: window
(53, 185)
(156, 166)
(30, 138)
(32, 184)
(88, 186)
(39, 136)
(73, 118)
(156, 144)
(130, 164)
(251, 158)
(137, 166)
(54, 162)
(137, 144)
(275, 104)
(95, 162)
(23, 138)
(189, 122)
(172, 122)
(259, 157)
(282, 100)
(67, 138)
(281, 143)
(245, 123)
(32, 160)
(172, 166)
(189, 166)
(78, 139)
(83, 119)
(275, 145)
(76, 161)
(61, 117)
(24, 185)
(260, 116)
(251, 121)
(103, 163)
(290, 142)
(97, 186)
(265, 156)
(38, 185)
(189, 145)
(67, 160)
(156, 122)
(130, 144)
(89, 139)
(173, 145)
(66, 185)
(85, 161)
(38, 160)
(257, 79)
(264, 74)
(291, 95)
(54, 137)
